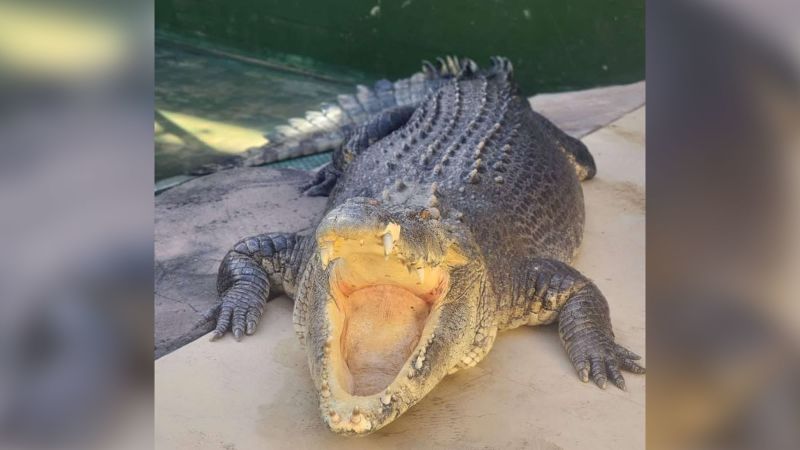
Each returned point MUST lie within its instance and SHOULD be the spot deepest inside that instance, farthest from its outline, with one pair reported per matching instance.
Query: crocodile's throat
(382, 325)
(381, 305)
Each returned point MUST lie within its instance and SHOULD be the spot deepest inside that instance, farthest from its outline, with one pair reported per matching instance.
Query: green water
(229, 70)
(555, 45)
(209, 106)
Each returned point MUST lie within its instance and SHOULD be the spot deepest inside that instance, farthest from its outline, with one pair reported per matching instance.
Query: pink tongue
(382, 326)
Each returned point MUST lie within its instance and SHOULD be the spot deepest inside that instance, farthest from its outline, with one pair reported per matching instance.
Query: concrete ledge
(581, 112)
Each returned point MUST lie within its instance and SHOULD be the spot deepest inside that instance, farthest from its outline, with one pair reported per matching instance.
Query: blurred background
(77, 172)
(76, 224)
(723, 194)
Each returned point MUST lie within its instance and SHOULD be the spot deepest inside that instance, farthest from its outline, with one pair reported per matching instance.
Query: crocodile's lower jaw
(380, 312)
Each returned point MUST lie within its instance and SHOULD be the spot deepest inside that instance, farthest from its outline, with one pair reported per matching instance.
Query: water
(211, 104)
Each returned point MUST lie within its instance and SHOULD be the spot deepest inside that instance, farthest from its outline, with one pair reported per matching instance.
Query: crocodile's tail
(325, 129)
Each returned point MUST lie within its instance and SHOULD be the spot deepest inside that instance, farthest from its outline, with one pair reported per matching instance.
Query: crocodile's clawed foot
(238, 312)
(323, 182)
(600, 359)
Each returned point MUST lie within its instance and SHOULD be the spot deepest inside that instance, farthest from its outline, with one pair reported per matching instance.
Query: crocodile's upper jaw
(381, 313)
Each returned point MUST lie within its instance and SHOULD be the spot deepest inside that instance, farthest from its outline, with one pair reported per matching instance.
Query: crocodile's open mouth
(382, 303)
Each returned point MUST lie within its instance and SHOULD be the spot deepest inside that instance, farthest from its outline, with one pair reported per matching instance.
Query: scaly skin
(473, 188)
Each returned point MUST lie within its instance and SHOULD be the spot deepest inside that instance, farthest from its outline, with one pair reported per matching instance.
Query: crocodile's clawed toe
(251, 326)
(612, 369)
(238, 324)
(598, 371)
(583, 371)
(626, 360)
(223, 322)
(211, 313)
(631, 366)
(625, 353)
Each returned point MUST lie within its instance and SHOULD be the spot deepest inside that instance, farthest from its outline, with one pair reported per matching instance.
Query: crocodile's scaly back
(479, 154)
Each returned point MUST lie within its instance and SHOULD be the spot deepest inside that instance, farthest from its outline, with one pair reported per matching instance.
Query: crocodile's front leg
(255, 266)
(551, 290)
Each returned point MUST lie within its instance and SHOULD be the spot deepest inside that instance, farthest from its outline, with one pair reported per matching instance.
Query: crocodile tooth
(420, 274)
(335, 417)
(324, 391)
(388, 244)
(386, 399)
(356, 416)
(325, 254)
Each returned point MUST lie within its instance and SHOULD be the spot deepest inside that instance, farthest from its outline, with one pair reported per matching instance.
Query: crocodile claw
(602, 362)
(323, 182)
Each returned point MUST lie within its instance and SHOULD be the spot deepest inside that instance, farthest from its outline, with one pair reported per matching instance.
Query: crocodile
(447, 222)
